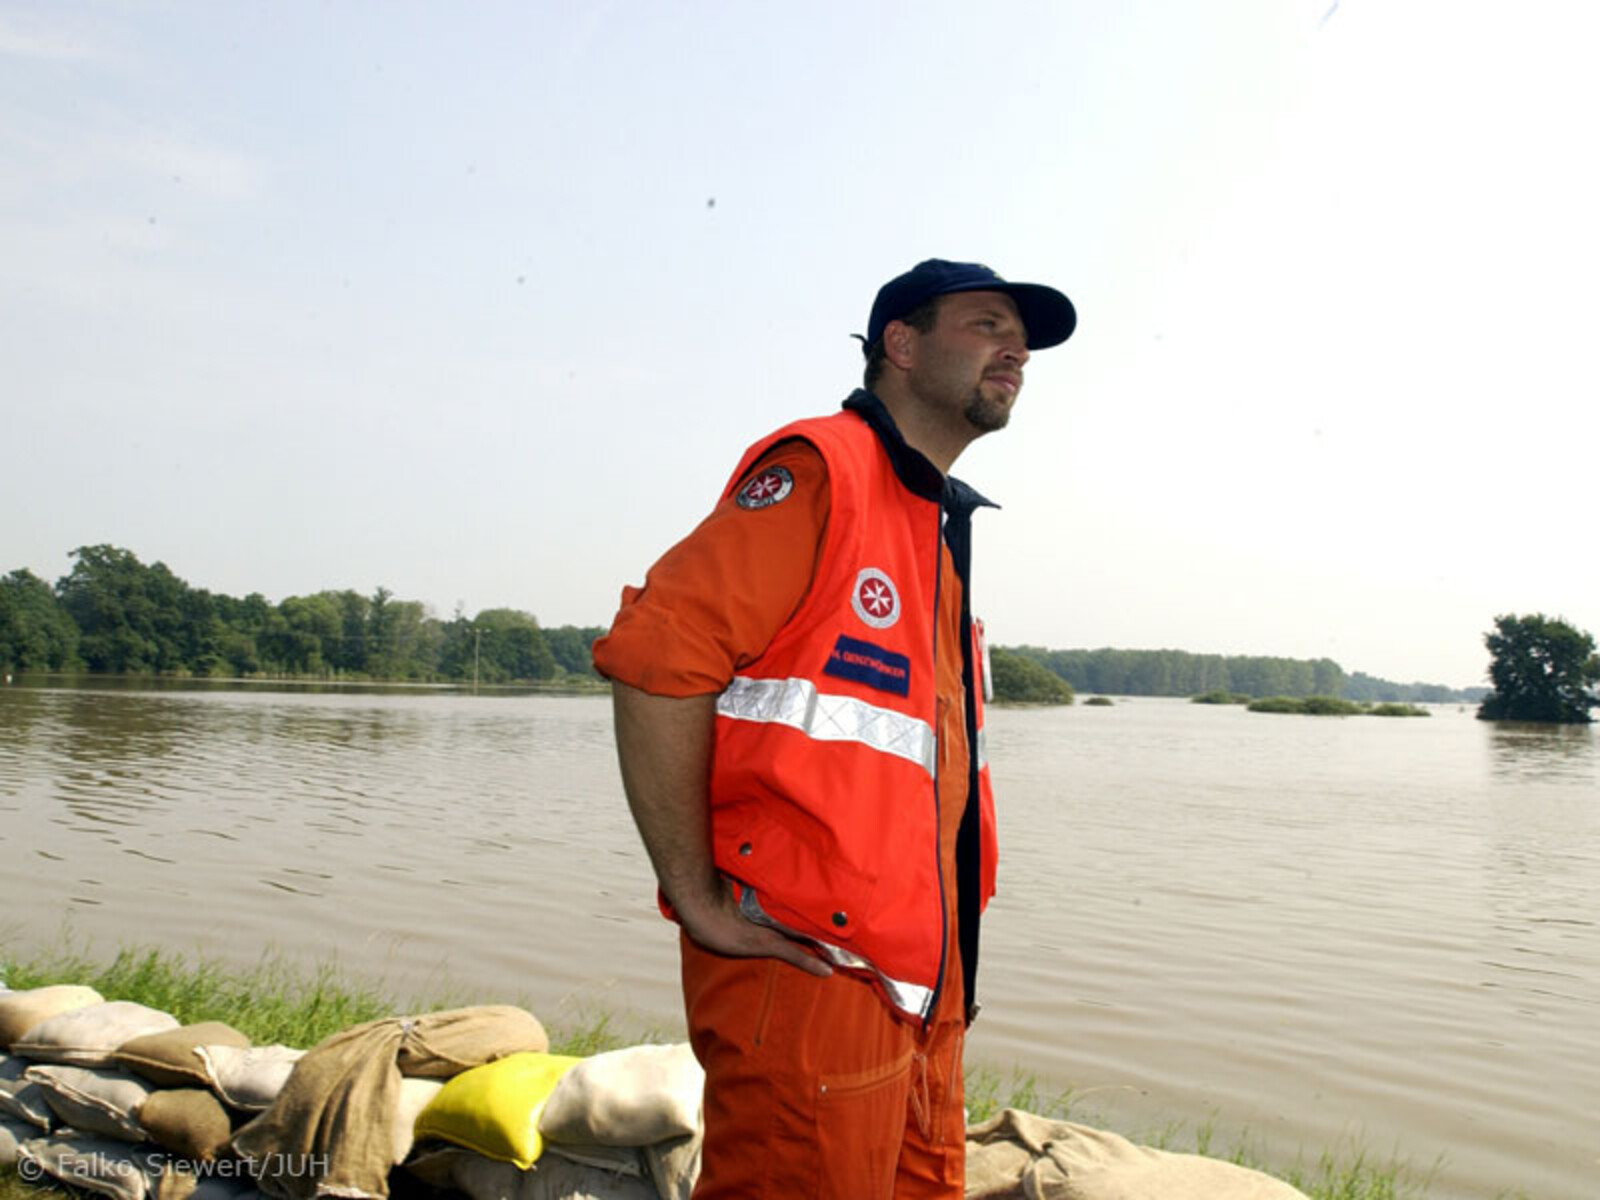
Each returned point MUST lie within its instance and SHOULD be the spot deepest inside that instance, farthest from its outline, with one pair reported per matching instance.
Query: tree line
(114, 614)
(1180, 673)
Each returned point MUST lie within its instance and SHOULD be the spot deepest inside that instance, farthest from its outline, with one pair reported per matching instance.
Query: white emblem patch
(766, 489)
(875, 599)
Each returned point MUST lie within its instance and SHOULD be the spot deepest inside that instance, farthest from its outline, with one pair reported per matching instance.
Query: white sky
(298, 296)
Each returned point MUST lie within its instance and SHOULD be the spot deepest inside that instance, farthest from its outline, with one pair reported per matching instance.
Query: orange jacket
(824, 796)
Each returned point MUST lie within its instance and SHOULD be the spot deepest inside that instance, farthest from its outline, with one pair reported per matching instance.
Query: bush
(1331, 706)
(1099, 702)
(1398, 710)
(1220, 696)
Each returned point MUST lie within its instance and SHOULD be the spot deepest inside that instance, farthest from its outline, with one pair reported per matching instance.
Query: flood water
(1315, 932)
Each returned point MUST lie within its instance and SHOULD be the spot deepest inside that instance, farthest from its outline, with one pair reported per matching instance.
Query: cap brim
(1046, 314)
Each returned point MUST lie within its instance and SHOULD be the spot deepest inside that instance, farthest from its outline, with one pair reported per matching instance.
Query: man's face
(970, 362)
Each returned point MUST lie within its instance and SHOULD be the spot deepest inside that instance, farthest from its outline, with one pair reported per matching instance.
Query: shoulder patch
(766, 488)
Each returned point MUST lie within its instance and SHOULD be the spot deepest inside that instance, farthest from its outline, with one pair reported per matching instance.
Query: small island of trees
(1543, 670)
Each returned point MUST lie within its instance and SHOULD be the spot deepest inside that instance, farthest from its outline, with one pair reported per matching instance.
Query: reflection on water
(1303, 926)
(1522, 750)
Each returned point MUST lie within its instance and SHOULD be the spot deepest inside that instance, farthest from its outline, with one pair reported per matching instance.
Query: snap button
(745, 848)
(840, 919)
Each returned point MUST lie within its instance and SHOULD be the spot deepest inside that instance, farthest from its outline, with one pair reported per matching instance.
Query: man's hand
(722, 929)
(664, 746)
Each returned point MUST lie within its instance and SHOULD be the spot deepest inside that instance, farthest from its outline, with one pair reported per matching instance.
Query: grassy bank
(1332, 706)
(275, 1002)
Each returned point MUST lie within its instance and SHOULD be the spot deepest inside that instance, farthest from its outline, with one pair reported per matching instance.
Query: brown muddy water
(1311, 932)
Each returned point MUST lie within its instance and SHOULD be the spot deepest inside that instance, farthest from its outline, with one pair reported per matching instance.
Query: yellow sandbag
(494, 1109)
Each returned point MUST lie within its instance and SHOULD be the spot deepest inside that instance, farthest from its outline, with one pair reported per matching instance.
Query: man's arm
(664, 746)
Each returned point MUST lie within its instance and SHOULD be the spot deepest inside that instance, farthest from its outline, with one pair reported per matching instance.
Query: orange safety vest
(824, 806)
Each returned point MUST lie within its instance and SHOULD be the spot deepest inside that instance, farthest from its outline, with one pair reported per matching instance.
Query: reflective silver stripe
(828, 718)
(983, 749)
(909, 998)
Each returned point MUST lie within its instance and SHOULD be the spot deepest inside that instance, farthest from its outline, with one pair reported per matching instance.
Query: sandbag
(635, 1096)
(674, 1165)
(102, 1165)
(494, 1109)
(21, 1011)
(177, 1184)
(12, 1134)
(168, 1059)
(247, 1078)
(105, 1103)
(551, 1178)
(89, 1036)
(415, 1095)
(1021, 1154)
(22, 1099)
(190, 1122)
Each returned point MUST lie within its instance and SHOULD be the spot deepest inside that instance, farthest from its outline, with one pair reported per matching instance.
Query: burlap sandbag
(415, 1095)
(106, 1103)
(190, 1122)
(22, 1099)
(21, 1011)
(102, 1165)
(674, 1165)
(12, 1134)
(248, 1078)
(176, 1184)
(551, 1178)
(635, 1096)
(168, 1059)
(89, 1036)
(1021, 1156)
(331, 1130)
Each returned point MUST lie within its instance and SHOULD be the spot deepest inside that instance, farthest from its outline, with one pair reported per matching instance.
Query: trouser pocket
(861, 1118)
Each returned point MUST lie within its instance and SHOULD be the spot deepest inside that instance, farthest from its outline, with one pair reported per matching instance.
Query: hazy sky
(481, 302)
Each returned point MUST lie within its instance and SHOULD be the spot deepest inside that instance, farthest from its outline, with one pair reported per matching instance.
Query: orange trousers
(815, 1092)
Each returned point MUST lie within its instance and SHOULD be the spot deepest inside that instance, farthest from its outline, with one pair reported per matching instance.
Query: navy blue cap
(1047, 315)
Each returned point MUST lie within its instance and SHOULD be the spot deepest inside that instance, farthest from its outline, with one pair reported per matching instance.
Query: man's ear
(899, 342)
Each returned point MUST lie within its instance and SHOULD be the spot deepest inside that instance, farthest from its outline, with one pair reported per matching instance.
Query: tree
(36, 634)
(125, 611)
(1023, 681)
(1542, 670)
(570, 644)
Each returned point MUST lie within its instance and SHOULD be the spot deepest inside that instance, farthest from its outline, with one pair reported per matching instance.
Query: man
(798, 719)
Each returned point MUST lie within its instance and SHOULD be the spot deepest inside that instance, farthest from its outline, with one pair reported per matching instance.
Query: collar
(912, 467)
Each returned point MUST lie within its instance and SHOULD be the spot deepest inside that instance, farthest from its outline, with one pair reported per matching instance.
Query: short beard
(983, 414)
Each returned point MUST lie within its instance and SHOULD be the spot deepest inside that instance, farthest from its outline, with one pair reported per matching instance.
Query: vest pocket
(801, 881)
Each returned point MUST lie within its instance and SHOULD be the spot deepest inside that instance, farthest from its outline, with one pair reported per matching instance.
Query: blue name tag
(862, 662)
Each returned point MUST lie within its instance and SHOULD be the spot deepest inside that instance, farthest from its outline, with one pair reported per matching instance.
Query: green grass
(1220, 696)
(277, 1002)
(271, 1002)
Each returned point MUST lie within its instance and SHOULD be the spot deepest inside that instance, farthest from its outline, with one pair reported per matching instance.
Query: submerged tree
(1020, 680)
(1543, 670)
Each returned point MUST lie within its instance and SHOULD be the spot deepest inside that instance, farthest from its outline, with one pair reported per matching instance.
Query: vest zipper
(938, 731)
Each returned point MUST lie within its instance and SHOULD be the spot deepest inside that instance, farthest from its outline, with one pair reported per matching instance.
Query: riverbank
(570, 685)
(277, 1002)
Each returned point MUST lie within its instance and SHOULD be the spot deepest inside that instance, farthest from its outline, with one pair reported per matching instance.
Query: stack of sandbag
(119, 1098)
(623, 1125)
(345, 1114)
